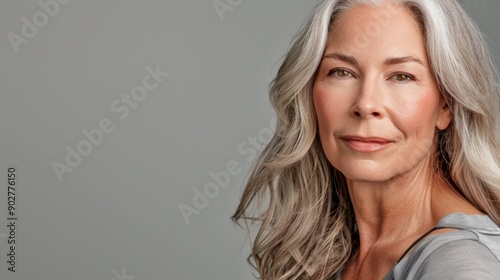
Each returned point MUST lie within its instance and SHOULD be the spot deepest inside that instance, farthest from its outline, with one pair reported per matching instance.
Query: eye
(340, 73)
(402, 78)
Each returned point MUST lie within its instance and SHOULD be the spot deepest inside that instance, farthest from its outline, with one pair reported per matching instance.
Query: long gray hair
(306, 223)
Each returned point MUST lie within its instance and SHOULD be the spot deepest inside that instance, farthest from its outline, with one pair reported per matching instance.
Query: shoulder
(472, 251)
(460, 259)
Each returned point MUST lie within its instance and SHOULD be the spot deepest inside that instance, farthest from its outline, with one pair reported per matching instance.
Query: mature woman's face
(377, 102)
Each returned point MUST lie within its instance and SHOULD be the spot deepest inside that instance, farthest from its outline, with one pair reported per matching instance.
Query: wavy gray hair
(306, 226)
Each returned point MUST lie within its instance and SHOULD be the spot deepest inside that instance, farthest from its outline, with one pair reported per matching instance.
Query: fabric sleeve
(461, 259)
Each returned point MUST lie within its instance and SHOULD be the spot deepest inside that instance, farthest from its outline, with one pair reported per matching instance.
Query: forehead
(387, 30)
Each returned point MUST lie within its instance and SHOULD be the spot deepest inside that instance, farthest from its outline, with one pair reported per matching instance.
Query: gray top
(471, 252)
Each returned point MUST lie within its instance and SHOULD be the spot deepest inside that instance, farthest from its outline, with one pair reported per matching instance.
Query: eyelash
(336, 70)
(410, 78)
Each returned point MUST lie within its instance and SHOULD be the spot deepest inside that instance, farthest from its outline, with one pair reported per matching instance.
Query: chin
(363, 177)
(366, 172)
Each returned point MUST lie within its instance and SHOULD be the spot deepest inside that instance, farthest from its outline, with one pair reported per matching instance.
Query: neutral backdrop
(105, 167)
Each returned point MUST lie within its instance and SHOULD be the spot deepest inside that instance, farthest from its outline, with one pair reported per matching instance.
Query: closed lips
(366, 144)
(365, 139)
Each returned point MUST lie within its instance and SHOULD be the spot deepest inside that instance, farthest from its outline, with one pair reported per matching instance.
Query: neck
(399, 210)
(390, 210)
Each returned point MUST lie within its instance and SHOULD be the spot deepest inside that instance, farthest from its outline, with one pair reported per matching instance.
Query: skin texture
(379, 110)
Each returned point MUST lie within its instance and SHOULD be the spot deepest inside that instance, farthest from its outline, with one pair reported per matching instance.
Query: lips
(366, 144)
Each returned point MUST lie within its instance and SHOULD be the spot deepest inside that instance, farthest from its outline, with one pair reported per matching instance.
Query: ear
(444, 117)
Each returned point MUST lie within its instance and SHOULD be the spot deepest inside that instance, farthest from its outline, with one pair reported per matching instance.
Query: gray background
(116, 215)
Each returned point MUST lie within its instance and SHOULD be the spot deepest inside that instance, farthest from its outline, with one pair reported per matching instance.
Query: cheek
(321, 107)
(329, 109)
(417, 115)
(331, 113)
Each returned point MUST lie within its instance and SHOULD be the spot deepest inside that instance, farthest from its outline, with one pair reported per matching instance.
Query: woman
(385, 163)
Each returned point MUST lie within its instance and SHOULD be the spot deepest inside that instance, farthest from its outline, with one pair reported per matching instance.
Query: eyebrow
(405, 59)
(388, 61)
(342, 57)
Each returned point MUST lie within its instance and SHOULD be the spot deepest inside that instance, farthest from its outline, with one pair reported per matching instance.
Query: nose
(369, 102)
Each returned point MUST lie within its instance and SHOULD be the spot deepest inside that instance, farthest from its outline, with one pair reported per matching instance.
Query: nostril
(373, 114)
